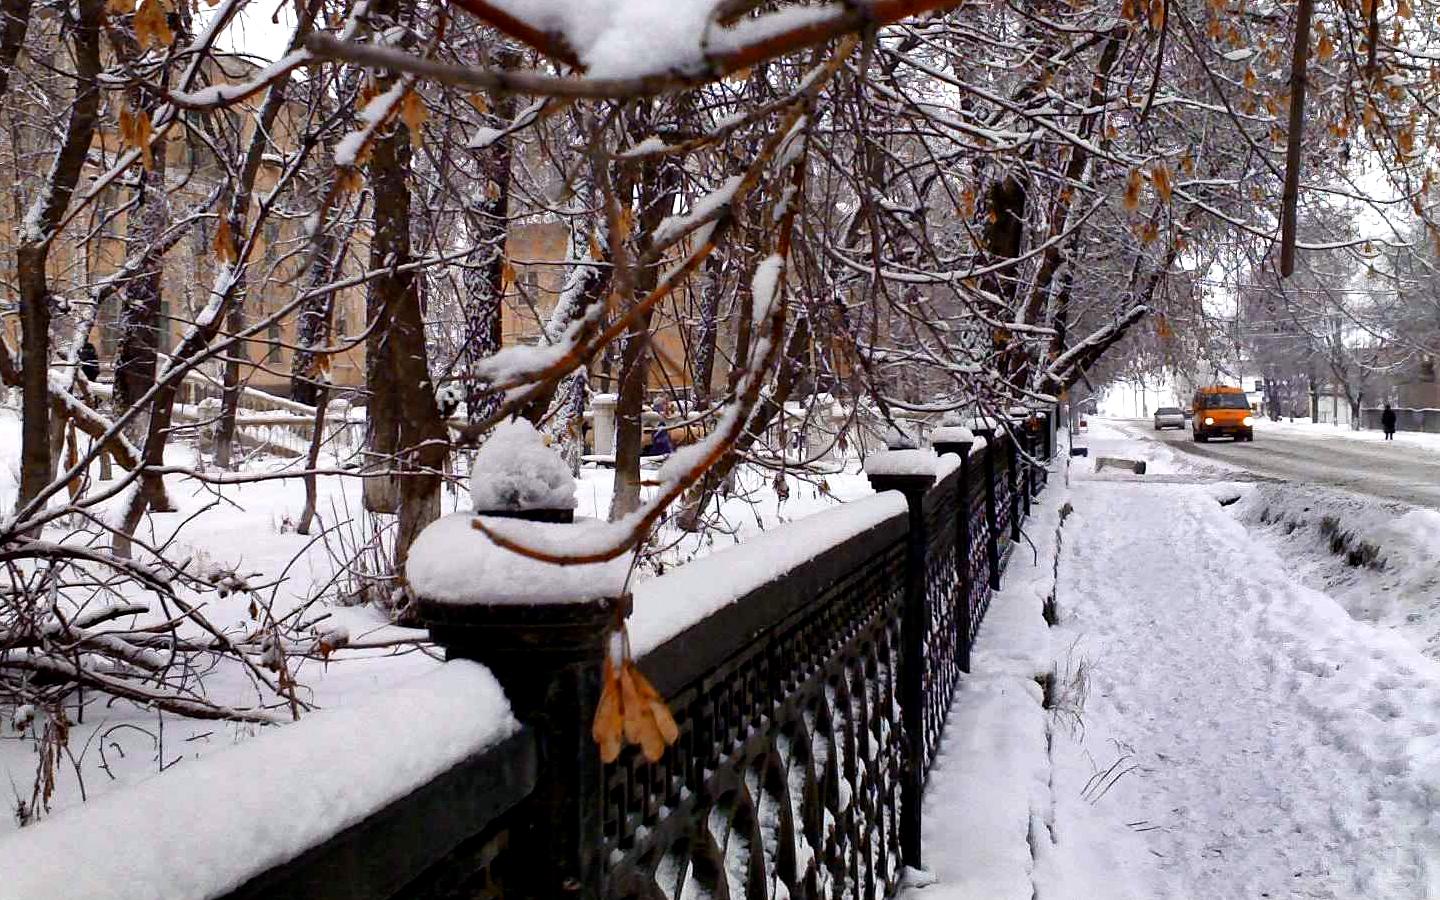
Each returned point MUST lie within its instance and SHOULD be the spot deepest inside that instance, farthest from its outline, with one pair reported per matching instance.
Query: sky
(254, 33)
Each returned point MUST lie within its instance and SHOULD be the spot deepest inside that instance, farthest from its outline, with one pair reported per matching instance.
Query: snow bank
(203, 828)
(514, 470)
(667, 605)
(453, 562)
(1381, 561)
(901, 462)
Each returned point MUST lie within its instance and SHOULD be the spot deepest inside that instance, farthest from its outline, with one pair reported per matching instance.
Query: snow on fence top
(206, 826)
(952, 434)
(514, 470)
(453, 562)
(901, 462)
(668, 605)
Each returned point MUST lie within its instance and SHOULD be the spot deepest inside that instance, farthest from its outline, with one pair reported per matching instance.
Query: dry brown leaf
(630, 709)
(482, 105)
(606, 728)
(1405, 141)
(1250, 79)
(1133, 184)
(119, 7)
(967, 203)
(413, 113)
(135, 134)
(223, 242)
(1326, 48)
(1160, 177)
(664, 721)
(349, 181)
(151, 27)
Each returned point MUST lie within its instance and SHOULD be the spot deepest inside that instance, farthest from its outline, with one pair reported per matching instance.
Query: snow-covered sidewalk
(1216, 729)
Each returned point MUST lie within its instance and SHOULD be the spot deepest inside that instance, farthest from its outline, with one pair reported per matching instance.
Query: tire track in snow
(1286, 750)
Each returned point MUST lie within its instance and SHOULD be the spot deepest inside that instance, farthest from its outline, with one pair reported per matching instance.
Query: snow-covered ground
(1305, 428)
(1218, 728)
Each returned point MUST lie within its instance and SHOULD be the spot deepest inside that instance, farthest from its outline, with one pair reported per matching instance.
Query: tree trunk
(489, 224)
(563, 414)
(708, 332)
(312, 458)
(230, 396)
(313, 327)
(12, 37)
(140, 325)
(657, 187)
(406, 427)
(36, 237)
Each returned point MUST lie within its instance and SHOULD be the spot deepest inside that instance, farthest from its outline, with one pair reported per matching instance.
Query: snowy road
(1268, 745)
(1387, 471)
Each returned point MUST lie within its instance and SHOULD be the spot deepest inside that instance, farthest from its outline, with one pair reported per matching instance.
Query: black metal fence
(810, 712)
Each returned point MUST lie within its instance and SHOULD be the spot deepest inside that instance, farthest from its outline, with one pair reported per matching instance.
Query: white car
(1169, 417)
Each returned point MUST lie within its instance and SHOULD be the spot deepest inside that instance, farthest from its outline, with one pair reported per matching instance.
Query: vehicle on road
(1222, 411)
(1169, 417)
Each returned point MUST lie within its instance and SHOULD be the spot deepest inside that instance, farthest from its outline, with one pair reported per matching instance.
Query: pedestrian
(90, 362)
(1387, 422)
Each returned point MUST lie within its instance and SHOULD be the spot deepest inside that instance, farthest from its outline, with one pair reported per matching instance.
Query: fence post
(915, 623)
(964, 578)
(992, 521)
(1015, 486)
(548, 658)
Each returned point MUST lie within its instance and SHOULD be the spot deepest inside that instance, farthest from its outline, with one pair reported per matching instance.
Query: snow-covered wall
(205, 827)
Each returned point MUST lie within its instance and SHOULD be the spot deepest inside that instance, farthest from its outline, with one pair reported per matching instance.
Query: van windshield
(1225, 401)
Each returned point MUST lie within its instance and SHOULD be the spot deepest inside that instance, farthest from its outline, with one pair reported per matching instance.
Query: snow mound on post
(902, 462)
(206, 826)
(514, 470)
(452, 562)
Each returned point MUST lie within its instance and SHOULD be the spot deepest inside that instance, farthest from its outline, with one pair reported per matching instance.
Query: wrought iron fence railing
(810, 710)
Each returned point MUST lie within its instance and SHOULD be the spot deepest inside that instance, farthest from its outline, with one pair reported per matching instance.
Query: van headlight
(1249, 420)
(1209, 420)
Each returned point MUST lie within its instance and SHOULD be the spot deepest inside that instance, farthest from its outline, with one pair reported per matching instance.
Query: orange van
(1222, 410)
